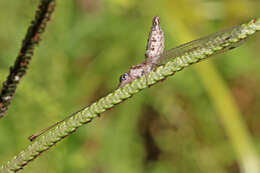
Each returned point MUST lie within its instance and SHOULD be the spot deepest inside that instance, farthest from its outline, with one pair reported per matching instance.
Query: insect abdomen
(155, 43)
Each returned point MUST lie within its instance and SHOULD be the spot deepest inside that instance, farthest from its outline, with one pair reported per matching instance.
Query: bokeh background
(176, 126)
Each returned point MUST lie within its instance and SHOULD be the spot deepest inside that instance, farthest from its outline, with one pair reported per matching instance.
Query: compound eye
(123, 77)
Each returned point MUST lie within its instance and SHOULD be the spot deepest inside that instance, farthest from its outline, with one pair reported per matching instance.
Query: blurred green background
(174, 126)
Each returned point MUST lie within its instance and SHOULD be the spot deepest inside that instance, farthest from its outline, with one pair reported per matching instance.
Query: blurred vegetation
(171, 127)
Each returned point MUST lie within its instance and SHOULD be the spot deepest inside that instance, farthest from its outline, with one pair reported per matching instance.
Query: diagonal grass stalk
(70, 125)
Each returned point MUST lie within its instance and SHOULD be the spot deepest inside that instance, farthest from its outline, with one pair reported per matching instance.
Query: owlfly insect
(210, 45)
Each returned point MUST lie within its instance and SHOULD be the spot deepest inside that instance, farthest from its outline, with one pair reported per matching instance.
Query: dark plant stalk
(86, 115)
(32, 38)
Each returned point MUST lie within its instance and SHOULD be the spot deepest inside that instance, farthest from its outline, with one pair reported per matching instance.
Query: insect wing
(219, 41)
